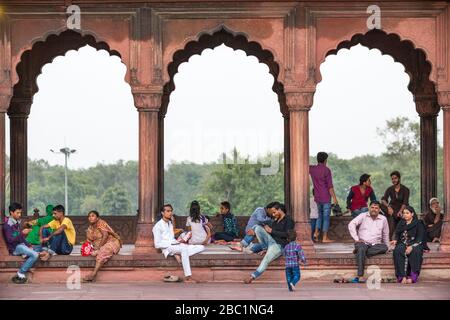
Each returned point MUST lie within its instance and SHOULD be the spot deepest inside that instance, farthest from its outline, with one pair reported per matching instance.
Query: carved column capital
(20, 107)
(299, 101)
(4, 102)
(426, 105)
(444, 100)
(147, 99)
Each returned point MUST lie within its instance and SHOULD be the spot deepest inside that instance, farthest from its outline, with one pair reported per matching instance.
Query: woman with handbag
(198, 225)
(104, 243)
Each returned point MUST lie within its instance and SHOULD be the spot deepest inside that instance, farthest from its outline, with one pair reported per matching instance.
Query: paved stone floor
(227, 291)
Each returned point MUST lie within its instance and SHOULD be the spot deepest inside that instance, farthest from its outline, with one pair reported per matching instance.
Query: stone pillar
(148, 106)
(18, 113)
(299, 105)
(444, 101)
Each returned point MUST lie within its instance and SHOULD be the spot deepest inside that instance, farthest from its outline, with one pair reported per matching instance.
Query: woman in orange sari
(104, 240)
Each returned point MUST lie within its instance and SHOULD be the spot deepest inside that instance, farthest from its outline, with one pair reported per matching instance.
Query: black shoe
(18, 280)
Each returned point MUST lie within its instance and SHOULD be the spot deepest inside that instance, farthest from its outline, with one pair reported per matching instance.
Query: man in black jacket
(274, 237)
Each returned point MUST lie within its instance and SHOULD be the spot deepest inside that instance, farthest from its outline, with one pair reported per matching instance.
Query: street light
(66, 152)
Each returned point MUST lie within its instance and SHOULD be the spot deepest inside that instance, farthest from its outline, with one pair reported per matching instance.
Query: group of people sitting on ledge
(391, 224)
(54, 234)
(387, 225)
(270, 225)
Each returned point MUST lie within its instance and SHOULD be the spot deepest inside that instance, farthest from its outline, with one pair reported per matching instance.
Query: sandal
(171, 279)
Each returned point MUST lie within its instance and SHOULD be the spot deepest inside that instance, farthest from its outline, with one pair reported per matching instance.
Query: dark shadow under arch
(235, 41)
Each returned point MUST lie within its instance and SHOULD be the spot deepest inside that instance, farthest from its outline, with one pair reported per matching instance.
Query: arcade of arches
(291, 38)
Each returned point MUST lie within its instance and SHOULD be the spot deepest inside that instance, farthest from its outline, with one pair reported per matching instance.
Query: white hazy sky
(223, 98)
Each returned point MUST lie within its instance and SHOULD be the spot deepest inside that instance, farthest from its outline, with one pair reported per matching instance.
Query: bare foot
(89, 278)
(44, 255)
(404, 280)
(190, 280)
(408, 281)
(262, 252)
(237, 248)
(436, 240)
(326, 240)
(248, 280)
(178, 258)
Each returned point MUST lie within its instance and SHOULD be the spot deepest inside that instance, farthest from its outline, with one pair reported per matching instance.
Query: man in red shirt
(359, 194)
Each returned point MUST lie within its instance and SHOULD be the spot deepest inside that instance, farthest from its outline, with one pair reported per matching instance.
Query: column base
(304, 236)
(445, 237)
(3, 246)
(144, 240)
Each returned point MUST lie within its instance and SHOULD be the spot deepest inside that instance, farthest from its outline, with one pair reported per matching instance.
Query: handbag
(86, 249)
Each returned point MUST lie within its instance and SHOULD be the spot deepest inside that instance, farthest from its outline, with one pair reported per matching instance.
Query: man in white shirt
(164, 239)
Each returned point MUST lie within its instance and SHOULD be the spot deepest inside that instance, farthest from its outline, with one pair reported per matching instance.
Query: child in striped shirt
(293, 254)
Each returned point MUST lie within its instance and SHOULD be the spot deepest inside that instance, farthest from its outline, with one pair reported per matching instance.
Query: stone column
(444, 101)
(148, 106)
(299, 105)
(18, 113)
(4, 102)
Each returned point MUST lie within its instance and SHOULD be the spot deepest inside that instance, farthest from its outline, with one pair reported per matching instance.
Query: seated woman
(199, 225)
(104, 240)
(408, 252)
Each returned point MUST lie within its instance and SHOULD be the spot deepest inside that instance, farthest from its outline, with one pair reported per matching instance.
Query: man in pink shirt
(371, 234)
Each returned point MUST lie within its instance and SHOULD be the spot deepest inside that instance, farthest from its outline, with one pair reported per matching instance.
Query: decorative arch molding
(234, 40)
(43, 52)
(415, 61)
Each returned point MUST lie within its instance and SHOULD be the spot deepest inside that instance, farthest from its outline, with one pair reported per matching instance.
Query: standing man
(165, 240)
(395, 199)
(359, 194)
(323, 192)
(370, 231)
(274, 238)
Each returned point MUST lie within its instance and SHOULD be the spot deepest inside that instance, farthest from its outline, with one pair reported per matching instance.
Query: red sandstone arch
(45, 51)
(28, 69)
(236, 41)
(418, 67)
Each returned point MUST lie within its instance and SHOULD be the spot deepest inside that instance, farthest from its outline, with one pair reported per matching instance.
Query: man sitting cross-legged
(165, 240)
(370, 230)
(274, 237)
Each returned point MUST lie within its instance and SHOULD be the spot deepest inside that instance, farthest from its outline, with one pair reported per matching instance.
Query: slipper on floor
(171, 279)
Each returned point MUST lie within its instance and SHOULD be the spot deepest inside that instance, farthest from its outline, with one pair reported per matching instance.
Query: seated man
(371, 234)
(33, 237)
(275, 238)
(17, 244)
(230, 229)
(164, 239)
(62, 239)
(359, 194)
(259, 217)
(433, 221)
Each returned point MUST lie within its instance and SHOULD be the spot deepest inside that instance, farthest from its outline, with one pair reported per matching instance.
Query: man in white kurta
(164, 239)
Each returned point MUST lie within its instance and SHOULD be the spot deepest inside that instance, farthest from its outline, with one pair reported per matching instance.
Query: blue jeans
(359, 211)
(323, 221)
(59, 243)
(313, 223)
(274, 250)
(30, 253)
(247, 240)
(292, 276)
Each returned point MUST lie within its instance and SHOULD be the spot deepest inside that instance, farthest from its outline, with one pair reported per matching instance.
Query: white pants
(185, 250)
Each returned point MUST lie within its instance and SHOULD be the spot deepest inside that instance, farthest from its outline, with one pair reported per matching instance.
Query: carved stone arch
(45, 51)
(237, 41)
(234, 40)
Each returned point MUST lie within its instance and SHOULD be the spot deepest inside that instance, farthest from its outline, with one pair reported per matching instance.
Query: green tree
(115, 201)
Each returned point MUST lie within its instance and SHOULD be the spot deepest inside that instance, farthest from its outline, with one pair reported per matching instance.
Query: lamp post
(67, 152)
